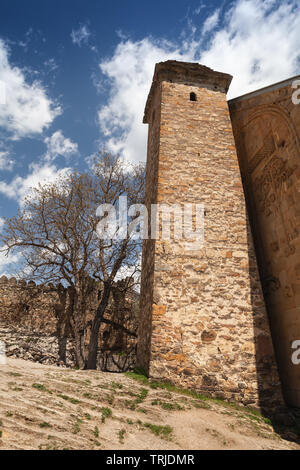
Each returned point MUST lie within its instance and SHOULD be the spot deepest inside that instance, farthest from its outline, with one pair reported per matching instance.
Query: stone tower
(203, 320)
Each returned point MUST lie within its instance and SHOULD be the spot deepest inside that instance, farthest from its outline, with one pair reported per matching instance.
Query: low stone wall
(36, 347)
(36, 324)
(30, 306)
(46, 349)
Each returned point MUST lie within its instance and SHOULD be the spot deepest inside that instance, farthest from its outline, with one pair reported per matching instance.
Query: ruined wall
(36, 322)
(206, 317)
(266, 127)
(25, 304)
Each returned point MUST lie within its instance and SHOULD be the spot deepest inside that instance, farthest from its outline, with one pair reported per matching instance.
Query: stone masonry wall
(266, 126)
(148, 254)
(30, 306)
(207, 319)
(36, 323)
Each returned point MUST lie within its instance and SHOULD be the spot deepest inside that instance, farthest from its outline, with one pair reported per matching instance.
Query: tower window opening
(193, 96)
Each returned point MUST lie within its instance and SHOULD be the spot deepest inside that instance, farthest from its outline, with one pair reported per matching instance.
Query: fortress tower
(203, 320)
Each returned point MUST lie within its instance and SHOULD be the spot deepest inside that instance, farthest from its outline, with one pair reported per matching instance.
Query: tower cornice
(187, 73)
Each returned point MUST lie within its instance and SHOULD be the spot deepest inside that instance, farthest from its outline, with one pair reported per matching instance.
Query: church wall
(266, 127)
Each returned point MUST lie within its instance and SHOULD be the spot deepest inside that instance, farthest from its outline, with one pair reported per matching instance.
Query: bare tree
(56, 232)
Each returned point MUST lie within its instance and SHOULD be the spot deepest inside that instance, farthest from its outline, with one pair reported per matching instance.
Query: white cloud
(258, 44)
(27, 39)
(97, 82)
(211, 22)
(81, 35)
(2, 222)
(201, 7)
(39, 173)
(8, 263)
(6, 163)
(130, 72)
(51, 65)
(257, 41)
(58, 145)
(28, 110)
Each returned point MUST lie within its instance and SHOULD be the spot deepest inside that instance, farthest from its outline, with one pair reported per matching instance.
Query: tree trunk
(61, 327)
(93, 344)
(78, 350)
(78, 328)
(62, 349)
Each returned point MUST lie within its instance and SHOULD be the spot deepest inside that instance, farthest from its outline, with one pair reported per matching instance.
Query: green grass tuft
(96, 431)
(162, 431)
(41, 387)
(44, 424)
(106, 413)
(122, 435)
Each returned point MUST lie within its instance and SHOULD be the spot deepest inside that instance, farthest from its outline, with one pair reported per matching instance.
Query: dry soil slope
(46, 407)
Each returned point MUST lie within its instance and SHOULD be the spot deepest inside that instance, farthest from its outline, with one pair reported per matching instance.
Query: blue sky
(77, 73)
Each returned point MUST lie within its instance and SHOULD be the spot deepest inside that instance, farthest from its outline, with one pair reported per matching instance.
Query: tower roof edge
(187, 73)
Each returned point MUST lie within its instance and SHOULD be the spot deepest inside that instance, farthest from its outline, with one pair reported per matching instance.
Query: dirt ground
(47, 407)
